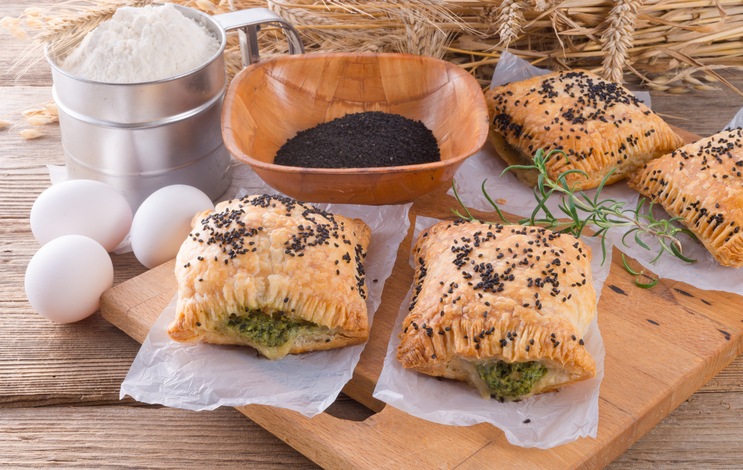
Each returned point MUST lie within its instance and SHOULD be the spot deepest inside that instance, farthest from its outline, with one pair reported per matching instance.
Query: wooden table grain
(59, 384)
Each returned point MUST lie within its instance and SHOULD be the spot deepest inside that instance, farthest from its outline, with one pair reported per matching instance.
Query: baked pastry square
(702, 183)
(501, 307)
(273, 273)
(600, 125)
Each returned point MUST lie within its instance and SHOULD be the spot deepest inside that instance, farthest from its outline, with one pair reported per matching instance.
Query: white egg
(81, 207)
(163, 222)
(66, 277)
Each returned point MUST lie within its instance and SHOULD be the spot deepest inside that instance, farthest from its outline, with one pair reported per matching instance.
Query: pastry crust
(702, 183)
(486, 293)
(272, 254)
(599, 124)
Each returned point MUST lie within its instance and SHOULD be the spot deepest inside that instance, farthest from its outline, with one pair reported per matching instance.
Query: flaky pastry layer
(499, 293)
(599, 124)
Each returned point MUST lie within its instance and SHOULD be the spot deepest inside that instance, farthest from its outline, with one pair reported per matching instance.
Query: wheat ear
(618, 38)
(509, 18)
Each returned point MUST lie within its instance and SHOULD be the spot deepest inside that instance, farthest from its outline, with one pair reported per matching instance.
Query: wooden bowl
(269, 102)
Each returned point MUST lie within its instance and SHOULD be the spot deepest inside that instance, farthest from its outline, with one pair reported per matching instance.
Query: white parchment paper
(737, 121)
(705, 273)
(486, 164)
(205, 376)
(556, 418)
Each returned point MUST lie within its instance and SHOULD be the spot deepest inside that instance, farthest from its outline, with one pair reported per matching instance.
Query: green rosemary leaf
(678, 254)
(603, 250)
(648, 285)
(540, 184)
(518, 167)
(689, 233)
(572, 172)
(572, 211)
(587, 199)
(629, 270)
(601, 186)
(456, 212)
(647, 217)
(456, 195)
(626, 234)
(663, 247)
(640, 203)
(640, 242)
(616, 222)
(541, 206)
(492, 203)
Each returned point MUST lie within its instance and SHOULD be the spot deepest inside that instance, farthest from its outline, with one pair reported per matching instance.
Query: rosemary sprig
(582, 210)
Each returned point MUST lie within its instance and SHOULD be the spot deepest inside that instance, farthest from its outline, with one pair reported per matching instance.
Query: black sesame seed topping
(361, 140)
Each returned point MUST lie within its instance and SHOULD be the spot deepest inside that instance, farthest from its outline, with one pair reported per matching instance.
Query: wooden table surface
(59, 384)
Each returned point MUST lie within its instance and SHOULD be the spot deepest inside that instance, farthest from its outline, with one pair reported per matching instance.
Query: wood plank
(13, 101)
(105, 437)
(408, 442)
(37, 74)
(699, 434)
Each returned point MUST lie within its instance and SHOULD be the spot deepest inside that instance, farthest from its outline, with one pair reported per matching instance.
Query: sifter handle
(248, 23)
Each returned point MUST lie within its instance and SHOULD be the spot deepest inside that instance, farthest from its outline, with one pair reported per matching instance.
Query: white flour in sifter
(140, 45)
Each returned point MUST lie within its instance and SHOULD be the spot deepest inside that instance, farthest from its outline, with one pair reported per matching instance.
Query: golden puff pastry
(600, 125)
(273, 273)
(702, 183)
(502, 307)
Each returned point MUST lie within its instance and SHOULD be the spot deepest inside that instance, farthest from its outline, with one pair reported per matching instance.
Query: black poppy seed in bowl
(370, 139)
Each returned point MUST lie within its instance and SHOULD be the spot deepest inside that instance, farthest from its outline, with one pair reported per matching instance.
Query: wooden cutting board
(662, 344)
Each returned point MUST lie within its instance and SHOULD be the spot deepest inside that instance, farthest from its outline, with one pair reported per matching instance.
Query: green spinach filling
(511, 380)
(267, 330)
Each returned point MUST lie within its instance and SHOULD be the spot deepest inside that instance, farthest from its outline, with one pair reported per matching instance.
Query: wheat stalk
(542, 5)
(618, 38)
(509, 18)
(297, 16)
(419, 37)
